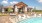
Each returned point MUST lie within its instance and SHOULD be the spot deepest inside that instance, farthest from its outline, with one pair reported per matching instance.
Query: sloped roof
(29, 8)
(20, 4)
(8, 7)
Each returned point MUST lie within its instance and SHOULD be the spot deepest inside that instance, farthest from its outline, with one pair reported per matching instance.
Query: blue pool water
(31, 20)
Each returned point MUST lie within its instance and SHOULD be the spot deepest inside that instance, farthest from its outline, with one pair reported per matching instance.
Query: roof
(8, 7)
(20, 4)
(29, 8)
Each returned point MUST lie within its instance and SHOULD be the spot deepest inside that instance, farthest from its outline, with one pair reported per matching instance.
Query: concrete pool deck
(5, 18)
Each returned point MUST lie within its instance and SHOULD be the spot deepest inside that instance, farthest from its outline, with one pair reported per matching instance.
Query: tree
(34, 8)
(10, 10)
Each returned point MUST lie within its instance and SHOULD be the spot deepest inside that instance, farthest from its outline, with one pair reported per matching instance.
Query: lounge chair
(19, 17)
(39, 15)
(33, 15)
(28, 16)
(24, 16)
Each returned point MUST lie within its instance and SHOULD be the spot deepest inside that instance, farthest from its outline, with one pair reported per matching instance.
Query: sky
(31, 3)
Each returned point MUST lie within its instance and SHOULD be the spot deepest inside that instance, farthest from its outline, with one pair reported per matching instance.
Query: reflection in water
(31, 20)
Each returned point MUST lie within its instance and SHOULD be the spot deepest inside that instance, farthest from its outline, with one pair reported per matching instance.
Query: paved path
(4, 19)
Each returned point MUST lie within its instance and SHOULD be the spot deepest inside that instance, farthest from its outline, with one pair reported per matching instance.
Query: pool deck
(5, 18)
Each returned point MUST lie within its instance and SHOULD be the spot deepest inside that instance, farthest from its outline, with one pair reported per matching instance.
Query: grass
(36, 12)
(1, 14)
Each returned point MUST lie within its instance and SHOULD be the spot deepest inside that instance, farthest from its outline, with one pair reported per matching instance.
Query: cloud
(31, 6)
(39, 1)
(13, 2)
(4, 2)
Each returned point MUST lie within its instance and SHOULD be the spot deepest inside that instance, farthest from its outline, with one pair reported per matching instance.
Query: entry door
(20, 10)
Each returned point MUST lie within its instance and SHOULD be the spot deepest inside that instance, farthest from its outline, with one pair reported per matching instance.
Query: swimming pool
(31, 20)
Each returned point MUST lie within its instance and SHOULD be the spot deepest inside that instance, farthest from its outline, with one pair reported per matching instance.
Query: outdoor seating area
(20, 11)
(20, 17)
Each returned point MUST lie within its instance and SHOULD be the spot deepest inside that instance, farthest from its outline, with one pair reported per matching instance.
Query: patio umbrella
(31, 20)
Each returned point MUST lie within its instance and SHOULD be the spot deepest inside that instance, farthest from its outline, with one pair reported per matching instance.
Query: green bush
(37, 10)
(10, 10)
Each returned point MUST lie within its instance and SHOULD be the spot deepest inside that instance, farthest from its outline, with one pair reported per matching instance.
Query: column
(25, 9)
(16, 9)
(31, 10)
(3, 10)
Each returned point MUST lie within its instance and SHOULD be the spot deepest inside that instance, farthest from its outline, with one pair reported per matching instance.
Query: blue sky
(31, 3)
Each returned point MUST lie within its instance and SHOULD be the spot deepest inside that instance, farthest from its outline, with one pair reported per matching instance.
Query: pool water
(31, 20)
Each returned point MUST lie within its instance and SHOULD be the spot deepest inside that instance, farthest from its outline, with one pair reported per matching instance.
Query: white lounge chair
(24, 16)
(12, 14)
(19, 17)
(28, 16)
(33, 15)
(39, 15)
